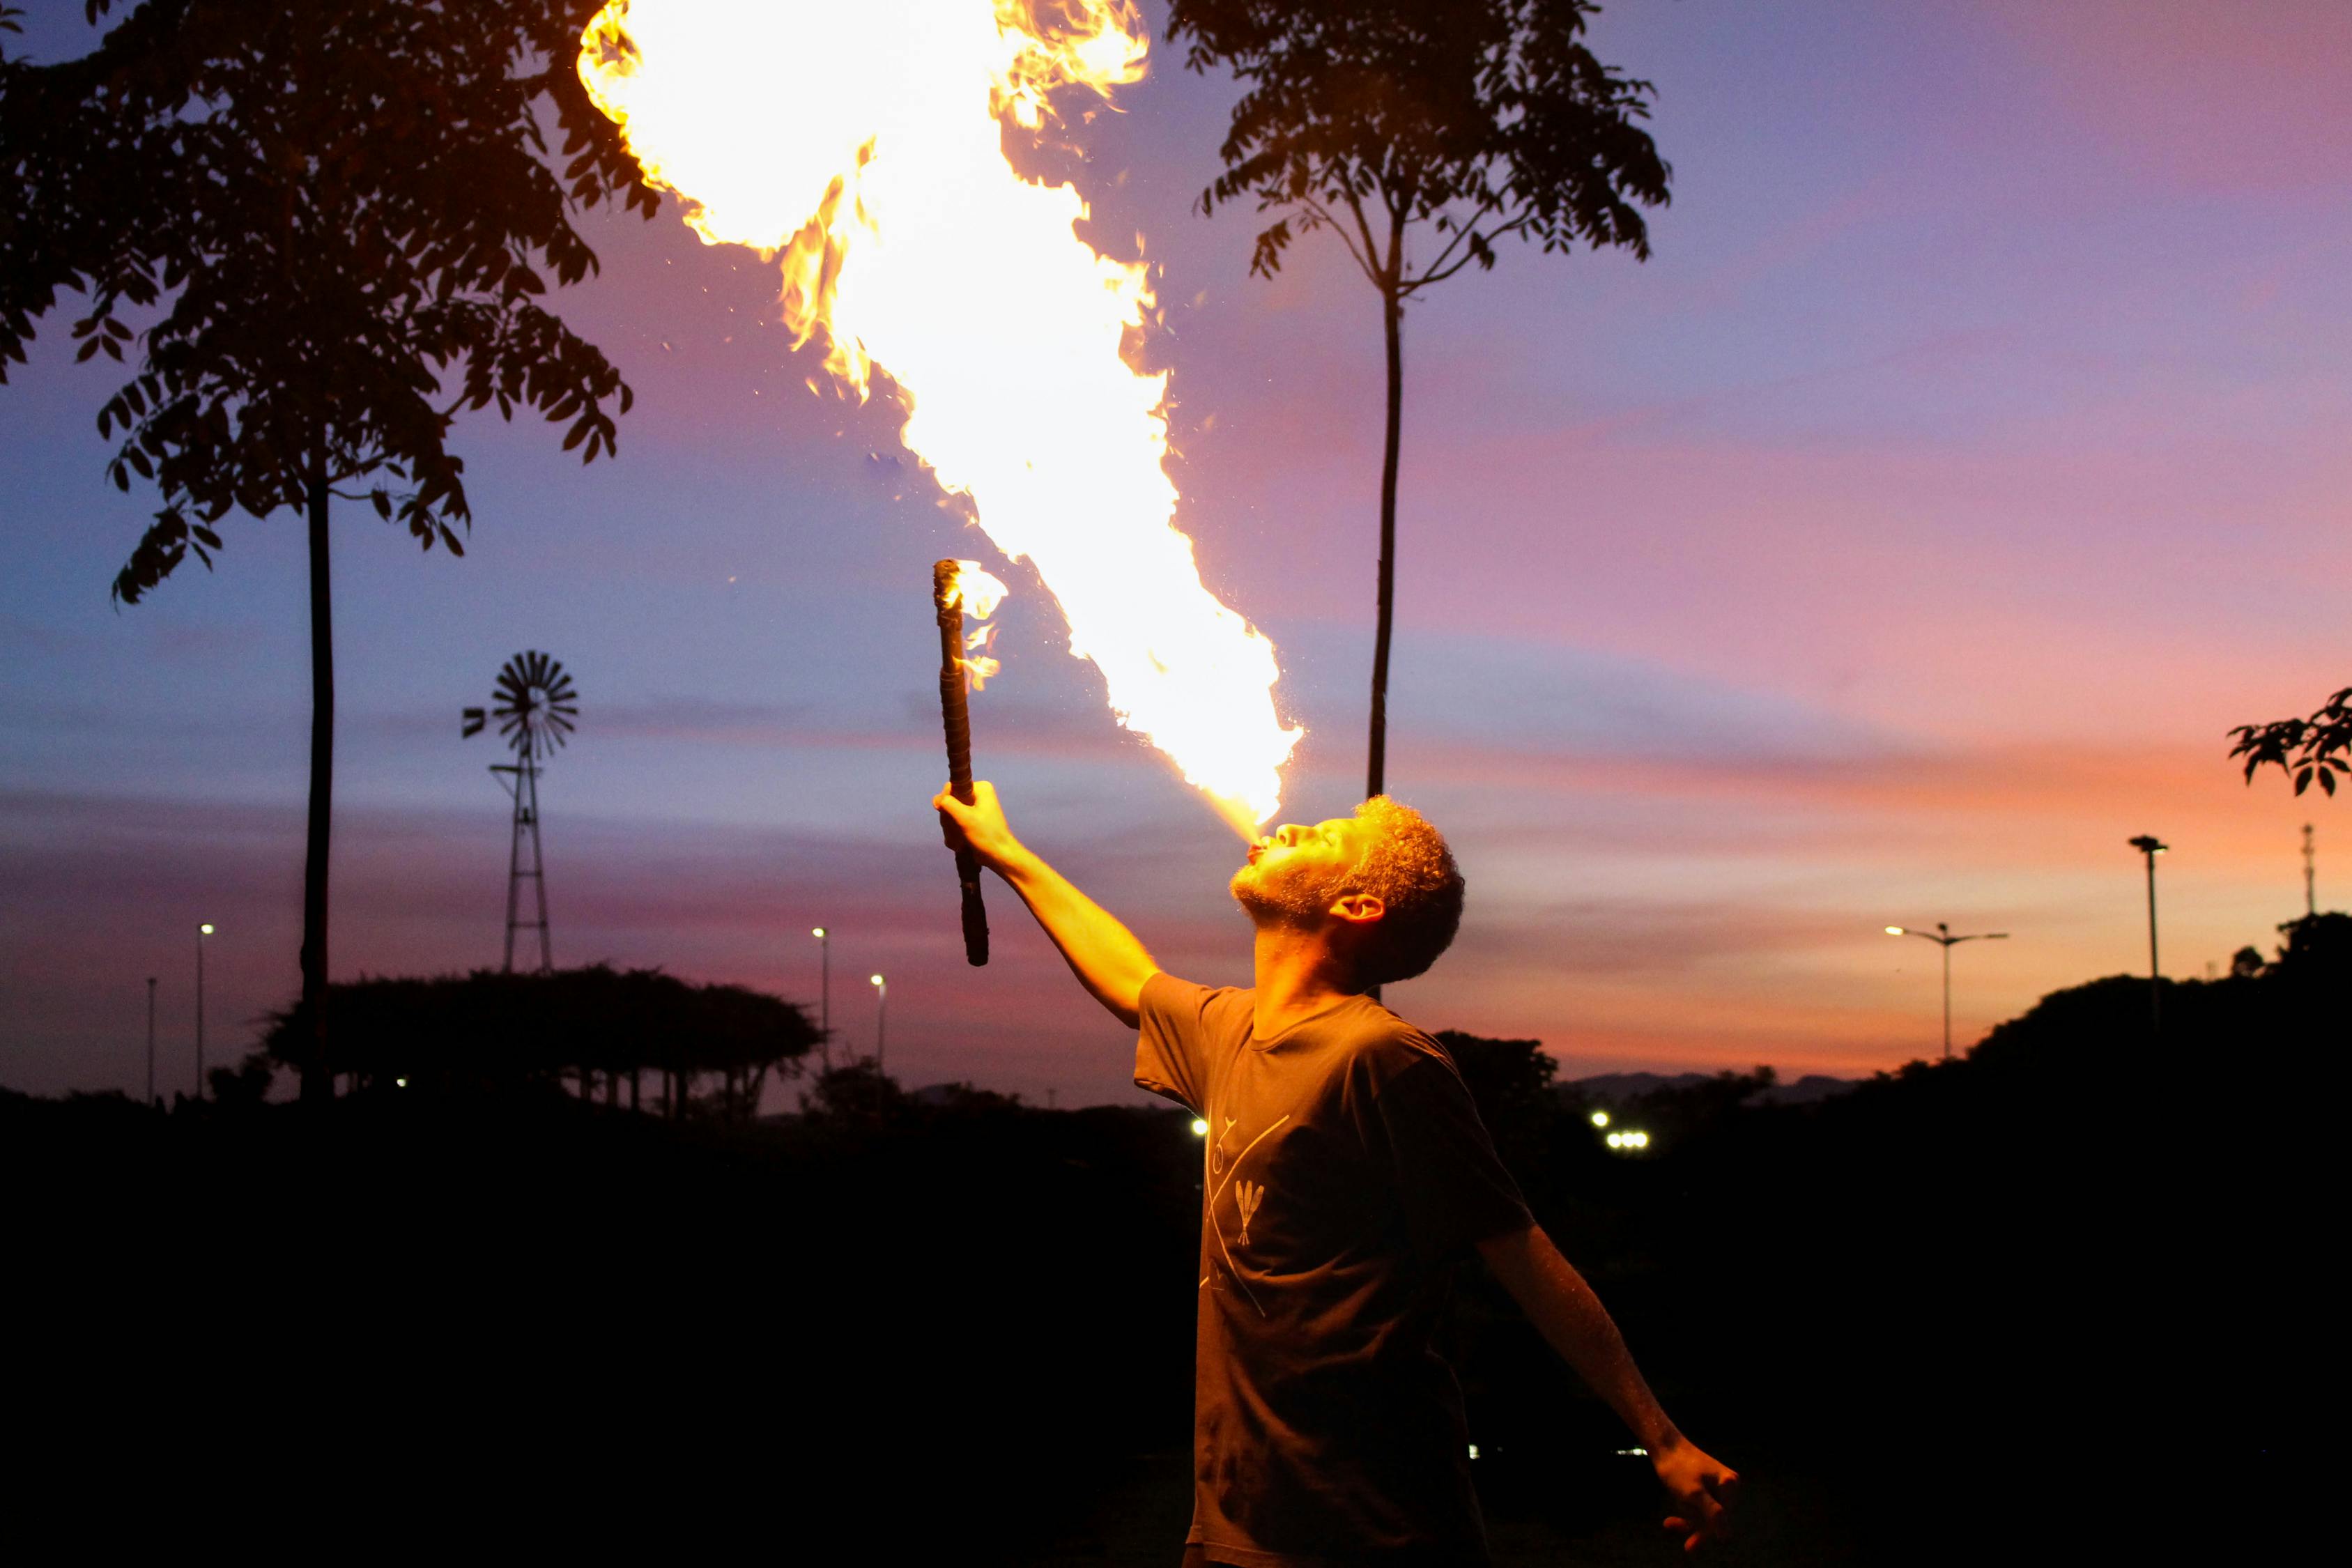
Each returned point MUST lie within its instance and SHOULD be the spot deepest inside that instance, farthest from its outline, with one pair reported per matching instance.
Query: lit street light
(2148, 844)
(824, 993)
(881, 1014)
(1942, 935)
(203, 932)
(1600, 1118)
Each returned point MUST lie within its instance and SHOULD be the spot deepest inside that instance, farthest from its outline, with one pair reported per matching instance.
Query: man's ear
(1359, 909)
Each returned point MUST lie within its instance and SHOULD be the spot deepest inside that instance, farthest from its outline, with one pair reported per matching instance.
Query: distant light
(400, 1083)
(1894, 930)
(1642, 1453)
(1616, 1139)
(1474, 1450)
(1638, 1139)
(817, 931)
(873, 979)
(205, 930)
(1600, 1118)
(1199, 1128)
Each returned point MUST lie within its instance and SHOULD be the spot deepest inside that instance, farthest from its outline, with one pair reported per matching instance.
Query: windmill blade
(473, 719)
(538, 668)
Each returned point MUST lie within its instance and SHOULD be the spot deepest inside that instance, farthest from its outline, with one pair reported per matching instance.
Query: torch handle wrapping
(955, 715)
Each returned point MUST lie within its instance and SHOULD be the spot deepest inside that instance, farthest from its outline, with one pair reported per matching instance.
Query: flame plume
(862, 143)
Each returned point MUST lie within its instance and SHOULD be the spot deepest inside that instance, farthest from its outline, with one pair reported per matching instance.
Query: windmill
(535, 706)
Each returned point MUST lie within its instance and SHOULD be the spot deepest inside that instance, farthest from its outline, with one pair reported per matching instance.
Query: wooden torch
(955, 713)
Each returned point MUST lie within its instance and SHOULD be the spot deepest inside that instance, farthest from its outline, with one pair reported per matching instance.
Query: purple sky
(1901, 539)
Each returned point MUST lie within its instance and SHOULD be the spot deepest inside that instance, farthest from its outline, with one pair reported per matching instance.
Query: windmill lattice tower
(535, 705)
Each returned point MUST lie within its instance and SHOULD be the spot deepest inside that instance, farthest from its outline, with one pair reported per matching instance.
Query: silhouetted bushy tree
(490, 1031)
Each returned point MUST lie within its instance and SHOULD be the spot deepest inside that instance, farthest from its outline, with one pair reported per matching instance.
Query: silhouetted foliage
(245, 1085)
(333, 213)
(490, 1031)
(857, 1094)
(1510, 1081)
(326, 230)
(1481, 119)
(2318, 748)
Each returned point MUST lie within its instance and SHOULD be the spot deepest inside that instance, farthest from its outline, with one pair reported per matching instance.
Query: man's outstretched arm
(1562, 1306)
(1104, 954)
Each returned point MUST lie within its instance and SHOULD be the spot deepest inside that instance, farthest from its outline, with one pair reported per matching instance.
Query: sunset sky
(1900, 539)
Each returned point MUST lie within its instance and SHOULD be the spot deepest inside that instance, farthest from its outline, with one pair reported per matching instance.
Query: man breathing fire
(1346, 1173)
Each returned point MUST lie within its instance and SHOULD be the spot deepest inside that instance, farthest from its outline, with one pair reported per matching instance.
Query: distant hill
(1618, 1088)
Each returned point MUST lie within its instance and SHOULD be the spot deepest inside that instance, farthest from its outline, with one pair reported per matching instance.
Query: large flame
(862, 142)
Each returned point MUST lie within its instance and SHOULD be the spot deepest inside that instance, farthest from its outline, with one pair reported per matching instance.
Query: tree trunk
(1392, 325)
(318, 1084)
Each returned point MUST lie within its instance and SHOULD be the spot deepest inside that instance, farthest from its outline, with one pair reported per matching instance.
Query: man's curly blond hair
(1409, 869)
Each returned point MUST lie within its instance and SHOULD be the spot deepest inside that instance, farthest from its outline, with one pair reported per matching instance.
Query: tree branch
(1363, 226)
(1463, 233)
(1322, 214)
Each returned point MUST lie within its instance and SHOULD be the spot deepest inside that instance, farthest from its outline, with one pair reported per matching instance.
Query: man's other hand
(980, 825)
(1702, 1488)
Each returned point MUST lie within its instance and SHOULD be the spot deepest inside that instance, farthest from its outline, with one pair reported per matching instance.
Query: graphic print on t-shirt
(1249, 1199)
(1246, 1200)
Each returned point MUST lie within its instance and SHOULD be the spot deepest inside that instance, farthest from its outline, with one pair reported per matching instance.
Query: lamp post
(151, 1040)
(881, 1016)
(2148, 845)
(824, 993)
(1942, 937)
(203, 932)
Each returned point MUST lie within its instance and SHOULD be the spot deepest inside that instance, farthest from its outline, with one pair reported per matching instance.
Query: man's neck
(1296, 974)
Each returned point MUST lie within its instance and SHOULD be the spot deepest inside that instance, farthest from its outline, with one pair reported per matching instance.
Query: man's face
(1295, 873)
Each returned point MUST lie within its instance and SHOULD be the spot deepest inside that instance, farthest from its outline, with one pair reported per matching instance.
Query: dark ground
(2057, 1303)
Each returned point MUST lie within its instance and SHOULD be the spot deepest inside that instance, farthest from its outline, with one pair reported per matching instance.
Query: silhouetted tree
(338, 224)
(490, 1032)
(1483, 120)
(1510, 1082)
(857, 1094)
(2246, 963)
(245, 1085)
(2318, 950)
(2318, 748)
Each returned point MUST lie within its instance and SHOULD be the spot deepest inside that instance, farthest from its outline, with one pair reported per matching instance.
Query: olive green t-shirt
(1346, 1174)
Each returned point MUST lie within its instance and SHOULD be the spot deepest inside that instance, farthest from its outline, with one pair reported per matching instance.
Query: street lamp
(151, 1040)
(824, 992)
(881, 1016)
(2148, 845)
(1942, 936)
(203, 932)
